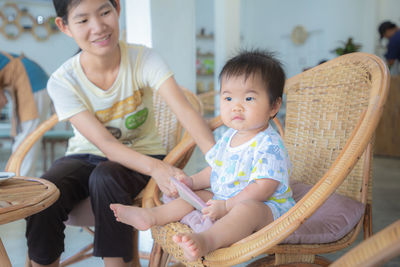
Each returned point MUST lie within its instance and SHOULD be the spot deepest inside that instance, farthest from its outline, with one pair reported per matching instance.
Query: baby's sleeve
(270, 161)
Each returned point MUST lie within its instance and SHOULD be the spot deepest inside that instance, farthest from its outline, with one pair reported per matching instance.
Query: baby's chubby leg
(242, 220)
(144, 218)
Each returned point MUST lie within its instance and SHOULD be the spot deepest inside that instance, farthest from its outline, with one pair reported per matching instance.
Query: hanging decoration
(299, 35)
(15, 21)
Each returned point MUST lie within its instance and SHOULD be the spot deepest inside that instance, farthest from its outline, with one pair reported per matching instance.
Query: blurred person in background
(22, 82)
(390, 31)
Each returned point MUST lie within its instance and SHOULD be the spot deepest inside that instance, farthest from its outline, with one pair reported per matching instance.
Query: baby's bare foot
(139, 218)
(193, 245)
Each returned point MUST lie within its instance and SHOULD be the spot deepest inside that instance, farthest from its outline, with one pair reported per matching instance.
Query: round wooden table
(21, 197)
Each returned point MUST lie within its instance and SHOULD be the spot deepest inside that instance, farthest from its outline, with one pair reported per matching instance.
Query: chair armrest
(15, 160)
(374, 251)
(151, 191)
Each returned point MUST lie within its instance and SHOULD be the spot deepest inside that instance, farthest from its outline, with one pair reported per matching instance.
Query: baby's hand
(215, 209)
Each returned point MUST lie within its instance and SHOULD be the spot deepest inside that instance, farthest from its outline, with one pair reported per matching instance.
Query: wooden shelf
(204, 74)
(205, 37)
(210, 55)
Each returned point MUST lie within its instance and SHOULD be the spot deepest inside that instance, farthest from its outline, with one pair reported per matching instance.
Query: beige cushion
(332, 221)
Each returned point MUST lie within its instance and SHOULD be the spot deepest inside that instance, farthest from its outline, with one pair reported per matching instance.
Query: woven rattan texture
(163, 236)
(166, 122)
(322, 111)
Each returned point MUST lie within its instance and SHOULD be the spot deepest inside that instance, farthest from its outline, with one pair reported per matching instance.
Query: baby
(249, 167)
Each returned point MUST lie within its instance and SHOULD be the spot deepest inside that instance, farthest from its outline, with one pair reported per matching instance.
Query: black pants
(77, 177)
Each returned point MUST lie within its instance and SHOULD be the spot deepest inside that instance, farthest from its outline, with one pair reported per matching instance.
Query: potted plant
(348, 47)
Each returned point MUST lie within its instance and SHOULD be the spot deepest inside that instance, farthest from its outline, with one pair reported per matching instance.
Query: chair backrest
(167, 124)
(324, 105)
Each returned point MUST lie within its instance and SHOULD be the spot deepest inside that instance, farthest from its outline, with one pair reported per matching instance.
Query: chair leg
(155, 255)
(165, 259)
(368, 221)
(136, 256)
(79, 256)
(52, 148)
(44, 152)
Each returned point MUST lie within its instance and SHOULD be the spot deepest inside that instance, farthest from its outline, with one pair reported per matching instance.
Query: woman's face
(94, 26)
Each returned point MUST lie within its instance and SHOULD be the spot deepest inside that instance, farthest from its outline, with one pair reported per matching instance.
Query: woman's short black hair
(258, 61)
(386, 25)
(62, 7)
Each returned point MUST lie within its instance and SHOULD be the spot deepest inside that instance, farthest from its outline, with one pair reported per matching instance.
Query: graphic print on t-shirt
(121, 108)
(136, 119)
(133, 112)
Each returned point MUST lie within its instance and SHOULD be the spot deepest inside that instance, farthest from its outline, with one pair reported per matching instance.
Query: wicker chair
(170, 131)
(375, 251)
(332, 112)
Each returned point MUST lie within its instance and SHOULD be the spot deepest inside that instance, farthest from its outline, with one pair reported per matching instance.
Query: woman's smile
(103, 41)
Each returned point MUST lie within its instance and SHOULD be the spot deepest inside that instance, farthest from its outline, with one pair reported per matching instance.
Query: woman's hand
(215, 209)
(161, 173)
(187, 180)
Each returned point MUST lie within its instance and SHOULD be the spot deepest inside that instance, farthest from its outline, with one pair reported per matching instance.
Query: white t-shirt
(125, 109)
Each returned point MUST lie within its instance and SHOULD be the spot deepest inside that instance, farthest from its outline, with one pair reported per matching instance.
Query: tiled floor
(386, 209)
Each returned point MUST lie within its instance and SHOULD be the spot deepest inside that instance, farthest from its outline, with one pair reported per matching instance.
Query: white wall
(268, 24)
(389, 10)
(227, 33)
(173, 35)
(264, 23)
(49, 54)
(139, 21)
(205, 16)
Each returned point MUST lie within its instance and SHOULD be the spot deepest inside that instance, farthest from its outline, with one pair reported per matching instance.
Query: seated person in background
(391, 32)
(25, 82)
(249, 167)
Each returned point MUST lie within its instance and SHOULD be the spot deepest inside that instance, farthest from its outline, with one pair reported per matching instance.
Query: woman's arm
(3, 99)
(96, 133)
(190, 119)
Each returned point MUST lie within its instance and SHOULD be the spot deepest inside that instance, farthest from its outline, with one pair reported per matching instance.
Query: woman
(104, 91)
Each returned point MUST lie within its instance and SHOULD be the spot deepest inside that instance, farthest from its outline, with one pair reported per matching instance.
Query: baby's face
(244, 103)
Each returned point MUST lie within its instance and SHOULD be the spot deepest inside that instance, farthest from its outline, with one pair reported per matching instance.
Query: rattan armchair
(171, 133)
(375, 251)
(331, 116)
